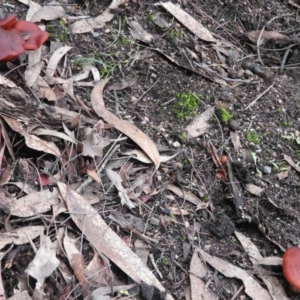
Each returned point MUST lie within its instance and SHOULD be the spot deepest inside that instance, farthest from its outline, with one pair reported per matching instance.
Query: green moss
(172, 34)
(253, 137)
(223, 114)
(58, 32)
(186, 105)
(149, 19)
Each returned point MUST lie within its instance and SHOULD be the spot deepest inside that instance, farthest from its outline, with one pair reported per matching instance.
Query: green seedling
(149, 19)
(253, 137)
(58, 33)
(186, 105)
(292, 137)
(280, 168)
(165, 261)
(255, 162)
(175, 34)
(206, 198)
(224, 114)
(124, 293)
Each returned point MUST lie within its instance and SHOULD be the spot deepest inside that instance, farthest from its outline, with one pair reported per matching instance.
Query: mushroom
(33, 35)
(291, 267)
(12, 45)
(7, 22)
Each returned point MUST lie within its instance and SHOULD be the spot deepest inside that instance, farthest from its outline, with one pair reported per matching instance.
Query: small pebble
(176, 145)
(233, 124)
(267, 169)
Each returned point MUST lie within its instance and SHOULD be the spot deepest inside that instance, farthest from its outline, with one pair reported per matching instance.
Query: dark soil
(269, 128)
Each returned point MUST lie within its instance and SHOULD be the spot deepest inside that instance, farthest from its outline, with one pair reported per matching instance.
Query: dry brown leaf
(76, 261)
(252, 287)
(140, 138)
(197, 272)
(254, 189)
(200, 124)
(94, 175)
(188, 21)
(20, 236)
(186, 195)
(105, 240)
(49, 132)
(275, 288)
(30, 205)
(32, 141)
(291, 162)
(139, 33)
(283, 174)
(267, 35)
(235, 139)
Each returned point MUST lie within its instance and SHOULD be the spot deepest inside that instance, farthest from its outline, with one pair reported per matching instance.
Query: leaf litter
(74, 151)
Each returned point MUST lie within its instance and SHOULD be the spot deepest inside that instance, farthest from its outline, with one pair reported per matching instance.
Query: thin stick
(259, 96)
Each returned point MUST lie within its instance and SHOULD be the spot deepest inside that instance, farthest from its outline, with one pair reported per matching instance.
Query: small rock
(176, 145)
(233, 124)
(267, 169)
(248, 74)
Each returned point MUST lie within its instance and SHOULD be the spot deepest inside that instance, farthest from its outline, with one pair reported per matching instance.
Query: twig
(259, 96)
(104, 162)
(142, 96)
(155, 265)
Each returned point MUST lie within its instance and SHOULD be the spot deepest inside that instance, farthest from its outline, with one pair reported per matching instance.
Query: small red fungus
(7, 22)
(291, 267)
(18, 36)
(33, 35)
(12, 45)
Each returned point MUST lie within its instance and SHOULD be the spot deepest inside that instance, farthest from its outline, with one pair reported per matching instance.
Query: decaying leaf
(200, 124)
(49, 12)
(252, 287)
(275, 288)
(267, 35)
(32, 141)
(20, 236)
(44, 263)
(76, 261)
(254, 189)
(291, 162)
(197, 273)
(188, 21)
(139, 33)
(105, 240)
(116, 180)
(127, 128)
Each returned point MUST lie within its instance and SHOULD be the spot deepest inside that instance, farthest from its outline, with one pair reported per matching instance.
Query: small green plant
(253, 137)
(292, 137)
(186, 105)
(165, 261)
(206, 198)
(149, 19)
(255, 162)
(224, 114)
(124, 293)
(59, 32)
(175, 34)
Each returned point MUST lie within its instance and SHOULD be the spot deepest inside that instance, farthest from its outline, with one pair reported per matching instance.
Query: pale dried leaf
(252, 287)
(20, 296)
(139, 33)
(291, 162)
(44, 263)
(55, 59)
(30, 205)
(43, 90)
(105, 240)
(275, 288)
(94, 175)
(116, 180)
(177, 211)
(270, 261)
(197, 273)
(122, 85)
(33, 72)
(140, 138)
(185, 194)
(235, 139)
(49, 132)
(188, 21)
(93, 143)
(254, 189)
(6, 82)
(32, 141)
(200, 124)
(76, 262)
(284, 174)
(267, 35)
(142, 250)
(49, 12)
(19, 236)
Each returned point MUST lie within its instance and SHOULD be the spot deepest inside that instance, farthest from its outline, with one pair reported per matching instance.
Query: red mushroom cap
(8, 22)
(33, 35)
(291, 267)
(12, 45)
